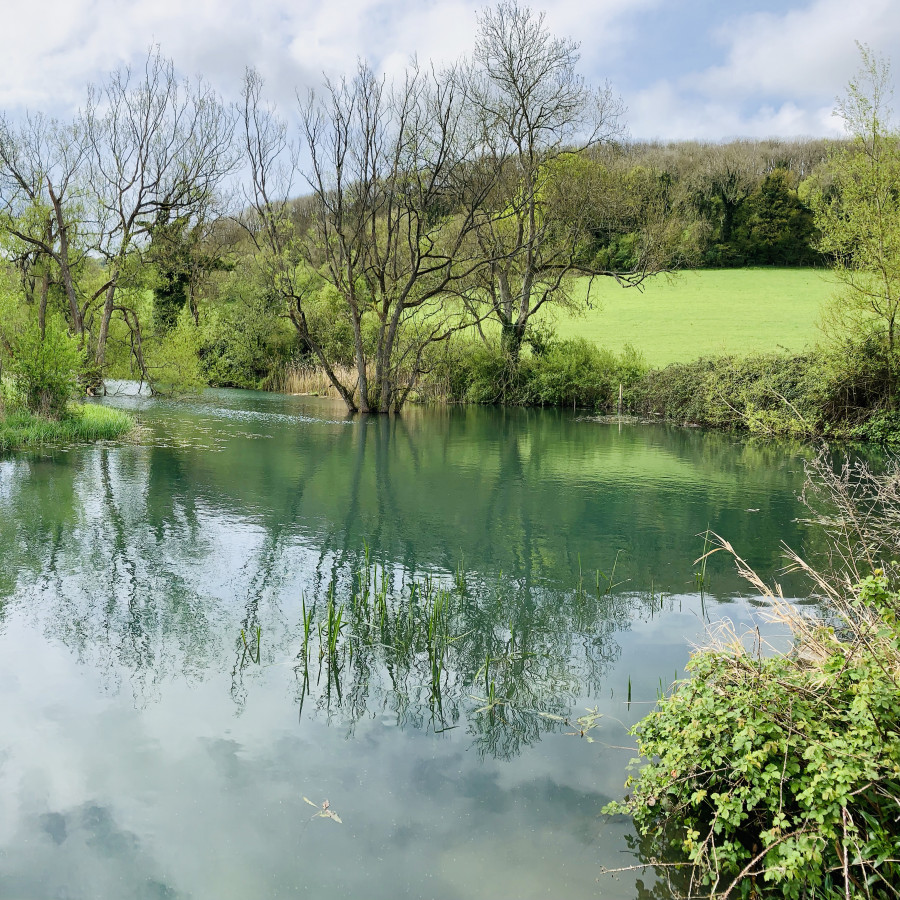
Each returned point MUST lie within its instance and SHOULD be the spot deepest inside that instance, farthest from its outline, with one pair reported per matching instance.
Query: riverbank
(844, 392)
(85, 423)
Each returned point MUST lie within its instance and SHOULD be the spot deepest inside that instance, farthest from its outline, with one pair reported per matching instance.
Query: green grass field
(706, 312)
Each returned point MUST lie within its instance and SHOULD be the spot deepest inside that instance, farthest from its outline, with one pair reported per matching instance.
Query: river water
(166, 734)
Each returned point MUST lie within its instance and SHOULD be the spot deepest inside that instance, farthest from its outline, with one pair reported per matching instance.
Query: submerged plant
(431, 649)
(307, 629)
(587, 723)
(248, 648)
(700, 580)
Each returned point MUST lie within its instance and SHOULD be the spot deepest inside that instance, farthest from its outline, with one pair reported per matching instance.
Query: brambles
(781, 772)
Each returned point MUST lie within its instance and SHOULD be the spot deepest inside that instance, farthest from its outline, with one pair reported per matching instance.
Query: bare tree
(279, 254)
(537, 114)
(400, 183)
(156, 145)
(41, 205)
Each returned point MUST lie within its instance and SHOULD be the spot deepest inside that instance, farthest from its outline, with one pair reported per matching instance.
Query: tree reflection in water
(504, 660)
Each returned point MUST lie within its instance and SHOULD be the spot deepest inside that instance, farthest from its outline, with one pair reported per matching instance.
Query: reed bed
(440, 649)
(310, 380)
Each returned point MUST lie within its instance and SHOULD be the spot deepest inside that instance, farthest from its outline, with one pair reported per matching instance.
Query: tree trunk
(388, 388)
(42, 310)
(360, 359)
(100, 356)
(512, 336)
(65, 270)
(381, 355)
(137, 344)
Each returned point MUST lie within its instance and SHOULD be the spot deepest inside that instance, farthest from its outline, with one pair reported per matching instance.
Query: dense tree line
(747, 203)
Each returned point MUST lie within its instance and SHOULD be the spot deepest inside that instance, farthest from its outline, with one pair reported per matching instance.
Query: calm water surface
(162, 724)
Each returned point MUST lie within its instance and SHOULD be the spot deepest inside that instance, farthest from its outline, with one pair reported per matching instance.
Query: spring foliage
(858, 211)
(779, 775)
(44, 367)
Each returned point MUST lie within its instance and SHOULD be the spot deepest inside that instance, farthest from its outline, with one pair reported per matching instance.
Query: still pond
(442, 624)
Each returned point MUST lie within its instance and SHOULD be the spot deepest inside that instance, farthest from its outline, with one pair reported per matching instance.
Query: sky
(704, 69)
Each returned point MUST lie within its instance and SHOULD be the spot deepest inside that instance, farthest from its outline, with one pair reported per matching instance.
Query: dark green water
(146, 753)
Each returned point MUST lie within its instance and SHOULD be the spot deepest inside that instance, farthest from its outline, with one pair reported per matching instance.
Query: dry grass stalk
(814, 636)
(311, 380)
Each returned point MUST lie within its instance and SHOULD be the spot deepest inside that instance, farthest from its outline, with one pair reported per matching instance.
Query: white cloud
(777, 73)
(802, 52)
(779, 77)
(291, 43)
(665, 112)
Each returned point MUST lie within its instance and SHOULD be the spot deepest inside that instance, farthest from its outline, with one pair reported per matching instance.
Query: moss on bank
(84, 422)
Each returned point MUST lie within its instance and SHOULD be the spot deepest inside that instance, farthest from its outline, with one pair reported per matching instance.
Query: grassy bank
(737, 349)
(704, 312)
(84, 423)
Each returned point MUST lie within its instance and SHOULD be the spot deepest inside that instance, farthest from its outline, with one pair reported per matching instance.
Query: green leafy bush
(174, 363)
(563, 373)
(882, 427)
(485, 375)
(779, 776)
(576, 372)
(763, 393)
(242, 341)
(783, 767)
(847, 391)
(46, 369)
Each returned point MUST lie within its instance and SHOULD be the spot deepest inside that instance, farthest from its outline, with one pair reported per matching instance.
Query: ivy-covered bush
(846, 391)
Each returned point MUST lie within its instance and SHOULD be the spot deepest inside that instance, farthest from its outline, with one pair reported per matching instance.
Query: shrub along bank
(848, 391)
(41, 376)
(556, 373)
(779, 775)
